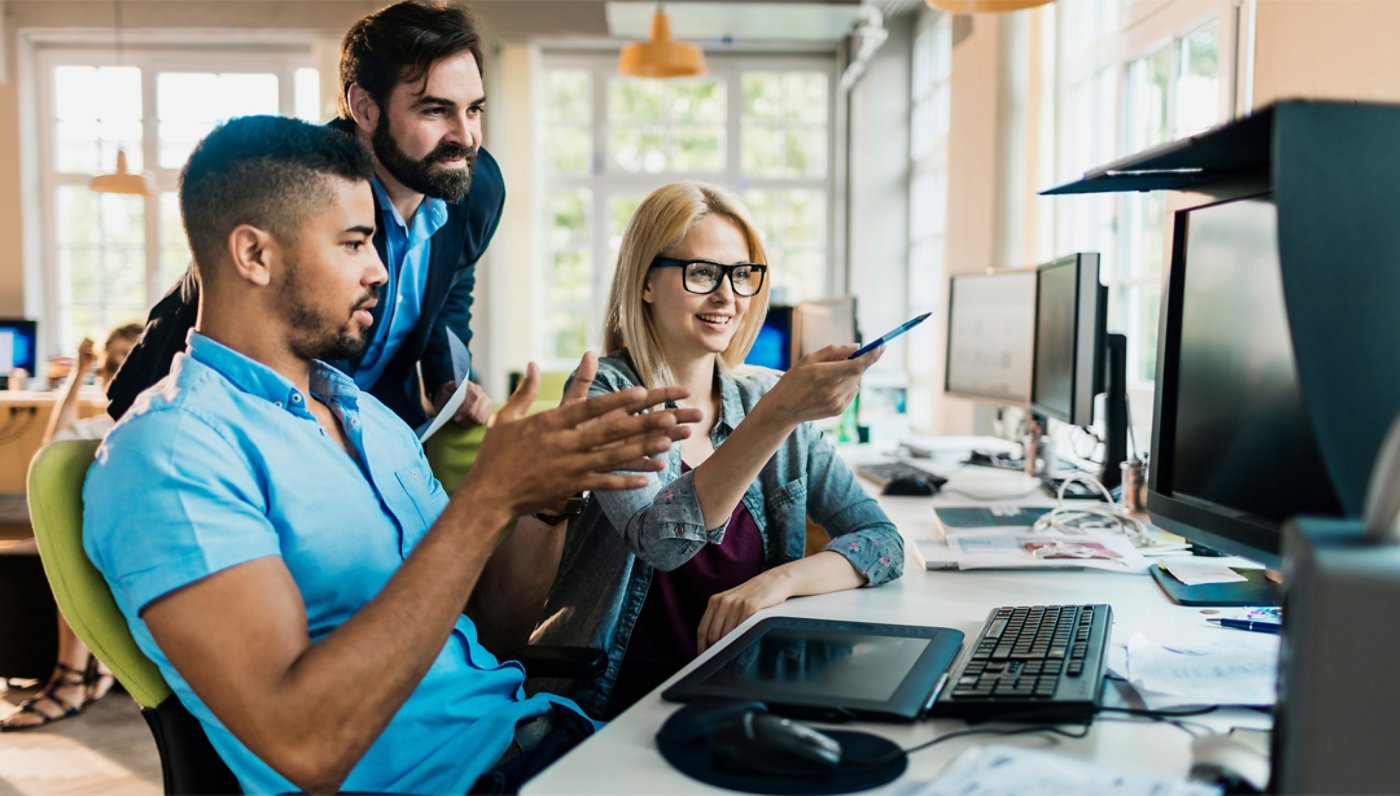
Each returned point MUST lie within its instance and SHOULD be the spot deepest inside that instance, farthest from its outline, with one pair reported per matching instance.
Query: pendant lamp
(983, 6)
(122, 181)
(661, 56)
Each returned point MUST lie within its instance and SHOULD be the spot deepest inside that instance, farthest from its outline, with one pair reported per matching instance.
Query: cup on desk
(19, 380)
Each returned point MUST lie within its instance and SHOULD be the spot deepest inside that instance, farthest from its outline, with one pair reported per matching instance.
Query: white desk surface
(622, 758)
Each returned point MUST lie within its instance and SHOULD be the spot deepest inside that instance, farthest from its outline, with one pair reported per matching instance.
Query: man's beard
(421, 175)
(314, 337)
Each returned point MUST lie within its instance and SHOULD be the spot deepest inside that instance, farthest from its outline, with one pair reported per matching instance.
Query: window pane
(101, 262)
(174, 247)
(97, 110)
(637, 148)
(793, 226)
(1198, 81)
(1142, 305)
(776, 100)
(620, 210)
(568, 95)
(666, 126)
(307, 90)
(697, 149)
(634, 99)
(190, 104)
(568, 275)
(1147, 100)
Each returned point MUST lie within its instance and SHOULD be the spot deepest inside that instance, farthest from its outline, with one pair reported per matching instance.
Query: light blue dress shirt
(221, 463)
(407, 248)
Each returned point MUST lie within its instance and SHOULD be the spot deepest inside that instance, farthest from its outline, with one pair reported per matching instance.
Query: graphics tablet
(829, 669)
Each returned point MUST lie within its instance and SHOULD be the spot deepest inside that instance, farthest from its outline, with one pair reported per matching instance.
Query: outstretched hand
(822, 384)
(600, 443)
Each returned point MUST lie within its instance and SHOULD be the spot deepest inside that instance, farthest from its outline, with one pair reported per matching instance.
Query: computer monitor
(991, 322)
(1070, 317)
(1233, 450)
(773, 346)
(826, 322)
(1076, 359)
(18, 346)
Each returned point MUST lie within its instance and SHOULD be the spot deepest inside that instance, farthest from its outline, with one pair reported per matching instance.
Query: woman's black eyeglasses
(703, 276)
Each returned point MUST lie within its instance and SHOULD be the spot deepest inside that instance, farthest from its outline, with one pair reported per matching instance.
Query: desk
(622, 758)
(24, 415)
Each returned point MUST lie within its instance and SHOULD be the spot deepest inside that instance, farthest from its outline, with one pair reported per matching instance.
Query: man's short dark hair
(266, 171)
(399, 43)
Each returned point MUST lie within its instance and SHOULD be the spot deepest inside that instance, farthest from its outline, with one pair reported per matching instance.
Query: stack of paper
(1028, 550)
(1004, 770)
(1238, 669)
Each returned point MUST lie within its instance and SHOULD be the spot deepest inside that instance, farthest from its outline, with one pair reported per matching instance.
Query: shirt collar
(431, 215)
(259, 380)
(731, 406)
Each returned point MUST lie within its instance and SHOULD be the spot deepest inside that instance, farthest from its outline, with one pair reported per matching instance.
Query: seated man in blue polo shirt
(273, 534)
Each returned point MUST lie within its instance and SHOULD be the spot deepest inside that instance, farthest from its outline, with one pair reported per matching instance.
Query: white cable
(1089, 518)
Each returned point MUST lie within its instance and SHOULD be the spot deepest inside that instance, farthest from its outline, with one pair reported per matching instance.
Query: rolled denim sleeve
(859, 529)
(661, 523)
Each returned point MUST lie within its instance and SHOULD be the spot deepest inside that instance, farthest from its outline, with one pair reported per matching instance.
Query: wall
(1326, 48)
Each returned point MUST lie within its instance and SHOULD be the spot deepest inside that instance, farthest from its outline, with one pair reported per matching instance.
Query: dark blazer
(447, 303)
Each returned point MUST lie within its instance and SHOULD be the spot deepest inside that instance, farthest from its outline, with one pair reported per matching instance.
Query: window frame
(604, 184)
(1143, 28)
(152, 58)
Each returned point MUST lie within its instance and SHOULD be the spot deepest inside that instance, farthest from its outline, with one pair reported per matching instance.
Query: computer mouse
(912, 485)
(1230, 762)
(768, 745)
(699, 719)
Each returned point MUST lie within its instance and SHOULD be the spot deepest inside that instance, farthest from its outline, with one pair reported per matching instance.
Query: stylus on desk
(1247, 624)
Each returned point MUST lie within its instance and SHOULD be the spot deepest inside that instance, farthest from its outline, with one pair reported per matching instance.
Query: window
(1164, 70)
(108, 257)
(757, 126)
(928, 201)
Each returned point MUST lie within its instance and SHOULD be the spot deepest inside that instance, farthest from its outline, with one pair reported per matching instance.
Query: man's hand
(530, 463)
(476, 406)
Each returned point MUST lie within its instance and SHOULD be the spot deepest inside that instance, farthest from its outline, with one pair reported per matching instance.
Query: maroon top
(663, 640)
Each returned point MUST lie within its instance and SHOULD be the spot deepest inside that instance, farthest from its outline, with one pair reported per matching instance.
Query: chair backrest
(452, 450)
(56, 511)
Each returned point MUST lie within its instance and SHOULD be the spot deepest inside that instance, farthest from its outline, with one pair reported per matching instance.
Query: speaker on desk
(1339, 697)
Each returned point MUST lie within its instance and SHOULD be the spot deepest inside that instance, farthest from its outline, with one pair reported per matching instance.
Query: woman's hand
(728, 609)
(87, 357)
(822, 384)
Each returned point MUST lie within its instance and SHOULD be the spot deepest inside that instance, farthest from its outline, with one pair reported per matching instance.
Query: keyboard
(1038, 664)
(882, 474)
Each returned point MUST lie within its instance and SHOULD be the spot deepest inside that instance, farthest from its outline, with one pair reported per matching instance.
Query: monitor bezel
(1090, 327)
(1228, 530)
(1000, 400)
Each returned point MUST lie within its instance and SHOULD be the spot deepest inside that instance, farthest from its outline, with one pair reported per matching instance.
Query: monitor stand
(1256, 589)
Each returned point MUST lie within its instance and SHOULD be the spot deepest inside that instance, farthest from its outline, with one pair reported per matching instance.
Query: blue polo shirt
(221, 463)
(407, 249)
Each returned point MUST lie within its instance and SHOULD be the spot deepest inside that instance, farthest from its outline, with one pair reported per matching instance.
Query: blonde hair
(659, 223)
(108, 365)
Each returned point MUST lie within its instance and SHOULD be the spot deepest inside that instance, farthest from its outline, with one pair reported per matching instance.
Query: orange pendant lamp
(122, 181)
(661, 56)
(983, 6)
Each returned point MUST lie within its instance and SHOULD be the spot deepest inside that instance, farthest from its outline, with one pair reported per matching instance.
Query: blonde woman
(654, 576)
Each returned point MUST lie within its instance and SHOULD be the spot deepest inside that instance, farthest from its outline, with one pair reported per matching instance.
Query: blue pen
(890, 335)
(1247, 624)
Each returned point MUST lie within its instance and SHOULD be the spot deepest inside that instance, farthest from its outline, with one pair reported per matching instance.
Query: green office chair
(188, 762)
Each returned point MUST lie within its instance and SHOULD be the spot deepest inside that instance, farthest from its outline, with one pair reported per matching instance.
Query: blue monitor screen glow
(18, 345)
(773, 346)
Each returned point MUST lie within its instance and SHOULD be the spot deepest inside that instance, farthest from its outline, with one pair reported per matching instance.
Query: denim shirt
(620, 538)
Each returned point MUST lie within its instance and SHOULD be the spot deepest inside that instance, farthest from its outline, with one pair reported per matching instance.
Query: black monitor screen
(1069, 329)
(1242, 445)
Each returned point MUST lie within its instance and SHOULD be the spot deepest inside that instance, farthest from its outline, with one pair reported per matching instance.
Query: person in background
(411, 91)
(78, 678)
(655, 575)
